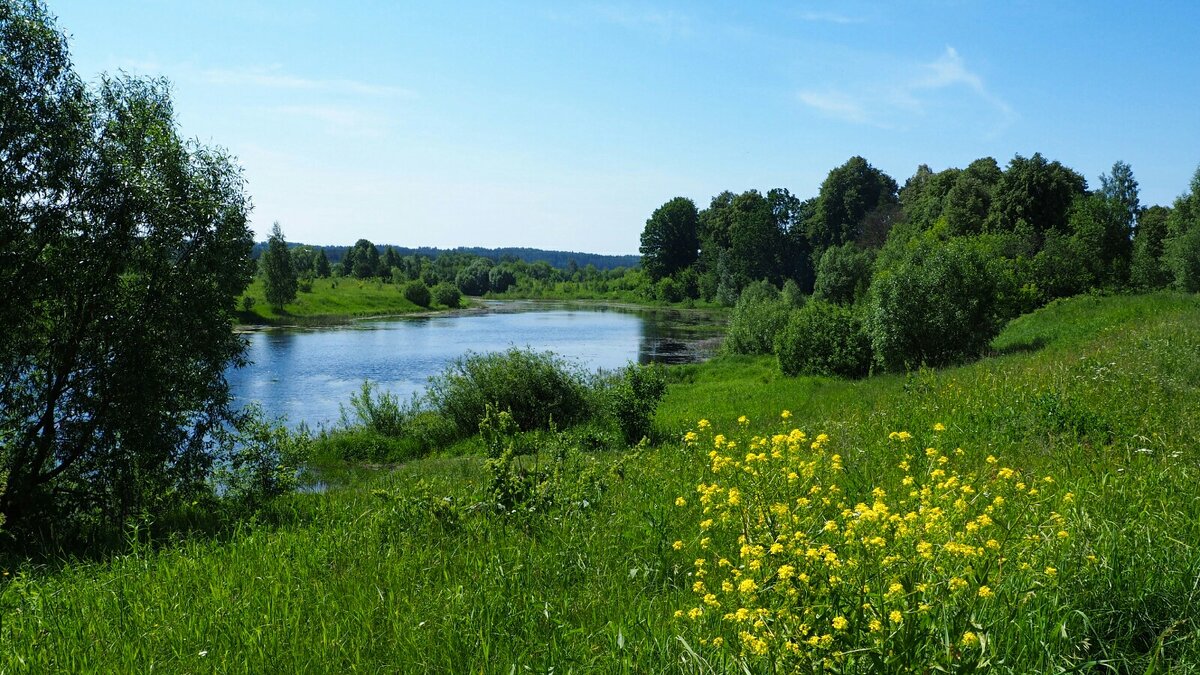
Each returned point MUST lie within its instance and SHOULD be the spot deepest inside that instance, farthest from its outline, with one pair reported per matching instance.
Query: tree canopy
(124, 249)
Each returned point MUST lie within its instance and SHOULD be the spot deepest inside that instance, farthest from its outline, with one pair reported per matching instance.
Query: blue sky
(564, 125)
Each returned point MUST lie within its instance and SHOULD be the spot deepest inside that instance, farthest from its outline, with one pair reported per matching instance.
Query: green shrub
(264, 461)
(937, 304)
(823, 339)
(533, 387)
(633, 397)
(843, 274)
(417, 293)
(756, 319)
(376, 410)
(447, 294)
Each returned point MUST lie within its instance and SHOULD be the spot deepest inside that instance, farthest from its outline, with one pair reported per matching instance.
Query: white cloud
(274, 78)
(915, 95)
(667, 24)
(828, 17)
(835, 104)
(339, 120)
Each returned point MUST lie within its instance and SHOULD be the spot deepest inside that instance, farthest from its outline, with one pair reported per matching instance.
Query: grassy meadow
(330, 300)
(1035, 511)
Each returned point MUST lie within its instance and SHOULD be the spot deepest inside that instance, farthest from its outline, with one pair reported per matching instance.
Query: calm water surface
(304, 374)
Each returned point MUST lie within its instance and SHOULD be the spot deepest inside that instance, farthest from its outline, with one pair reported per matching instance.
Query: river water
(305, 374)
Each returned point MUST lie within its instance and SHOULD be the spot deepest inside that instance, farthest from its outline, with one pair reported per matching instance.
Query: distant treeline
(561, 260)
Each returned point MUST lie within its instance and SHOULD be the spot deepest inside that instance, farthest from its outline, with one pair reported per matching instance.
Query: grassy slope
(331, 300)
(1100, 392)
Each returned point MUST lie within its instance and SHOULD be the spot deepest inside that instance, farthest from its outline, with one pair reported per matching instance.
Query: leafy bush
(447, 294)
(759, 315)
(379, 411)
(533, 387)
(938, 303)
(633, 397)
(417, 293)
(263, 463)
(843, 274)
(823, 339)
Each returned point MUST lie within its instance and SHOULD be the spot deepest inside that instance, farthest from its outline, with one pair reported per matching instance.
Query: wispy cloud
(274, 78)
(339, 120)
(889, 105)
(835, 104)
(828, 17)
(665, 23)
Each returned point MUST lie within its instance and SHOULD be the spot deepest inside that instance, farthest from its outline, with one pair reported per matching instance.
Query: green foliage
(632, 399)
(1147, 270)
(533, 387)
(378, 411)
(823, 339)
(417, 293)
(670, 241)
(420, 555)
(501, 278)
(447, 295)
(1102, 230)
(1036, 192)
(847, 195)
(474, 279)
(1182, 247)
(124, 250)
(843, 274)
(264, 461)
(758, 316)
(938, 304)
(279, 278)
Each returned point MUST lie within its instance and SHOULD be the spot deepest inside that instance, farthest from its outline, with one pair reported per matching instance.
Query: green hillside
(1084, 422)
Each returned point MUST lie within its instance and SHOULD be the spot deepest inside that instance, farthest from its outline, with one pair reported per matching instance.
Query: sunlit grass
(384, 573)
(330, 300)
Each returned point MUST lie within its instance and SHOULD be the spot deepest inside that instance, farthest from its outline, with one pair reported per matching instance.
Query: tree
(1181, 250)
(1147, 270)
(1121, 187)
(847, 195)
(669, 240)
(366, 260)
(1036, 195)
(321, 263)
(124, 251)
(279, 278)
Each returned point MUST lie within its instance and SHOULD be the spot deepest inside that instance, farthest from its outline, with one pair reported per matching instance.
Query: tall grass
(413, 571)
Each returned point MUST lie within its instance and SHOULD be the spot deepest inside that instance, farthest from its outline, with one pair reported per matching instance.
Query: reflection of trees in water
(672, 337)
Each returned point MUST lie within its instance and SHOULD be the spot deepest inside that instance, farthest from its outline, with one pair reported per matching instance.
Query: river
(305, 374)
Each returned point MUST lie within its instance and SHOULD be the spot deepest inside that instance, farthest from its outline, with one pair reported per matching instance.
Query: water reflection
(305, 374)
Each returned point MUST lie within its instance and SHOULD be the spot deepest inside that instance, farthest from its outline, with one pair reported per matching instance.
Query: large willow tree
(122, 250)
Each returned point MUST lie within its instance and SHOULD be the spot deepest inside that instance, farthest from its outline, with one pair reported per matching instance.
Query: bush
(757, 318)
(633, 397)
(264, 462)
(937, 304)
(447, 294)
(417, 293)
(823, 339)
(843, 274)
(533, 387)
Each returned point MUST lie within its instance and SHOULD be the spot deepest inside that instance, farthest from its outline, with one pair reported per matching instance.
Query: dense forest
(870, 274)
(555, 259)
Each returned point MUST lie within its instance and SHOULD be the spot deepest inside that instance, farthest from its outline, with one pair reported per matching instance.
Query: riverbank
(1085, 422)
(330, 302)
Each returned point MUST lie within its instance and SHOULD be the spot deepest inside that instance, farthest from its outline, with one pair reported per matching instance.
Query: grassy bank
(427, 569)
(329, 301)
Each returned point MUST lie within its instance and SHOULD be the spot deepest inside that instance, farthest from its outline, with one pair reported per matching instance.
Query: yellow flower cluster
(800, 566)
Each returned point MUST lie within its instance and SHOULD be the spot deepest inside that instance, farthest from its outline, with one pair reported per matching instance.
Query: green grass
(330, 301)
(382, 573)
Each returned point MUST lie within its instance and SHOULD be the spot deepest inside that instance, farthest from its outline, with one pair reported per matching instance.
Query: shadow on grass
(1023, 347)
